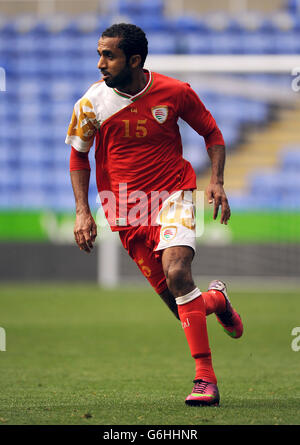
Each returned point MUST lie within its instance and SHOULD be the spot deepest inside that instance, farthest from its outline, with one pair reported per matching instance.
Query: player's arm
(215, 191)
(85, 229)
(193, 111)
(80, 136)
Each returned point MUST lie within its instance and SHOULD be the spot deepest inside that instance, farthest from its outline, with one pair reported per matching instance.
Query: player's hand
(85, 231)
(215, 193)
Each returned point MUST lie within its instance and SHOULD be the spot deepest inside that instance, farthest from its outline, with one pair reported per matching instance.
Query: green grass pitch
(76, 354)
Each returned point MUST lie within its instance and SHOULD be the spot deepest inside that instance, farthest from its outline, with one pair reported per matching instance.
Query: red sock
(193, 319)
(214, 302)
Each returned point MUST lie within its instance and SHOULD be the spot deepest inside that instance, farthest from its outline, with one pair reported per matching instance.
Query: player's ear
(135, 61)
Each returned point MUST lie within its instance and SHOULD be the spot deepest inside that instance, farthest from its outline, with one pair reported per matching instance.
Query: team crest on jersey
(168, 233)
(160, 113)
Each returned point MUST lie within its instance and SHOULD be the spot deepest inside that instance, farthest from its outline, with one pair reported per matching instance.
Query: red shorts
(140, 243)
(175, 227)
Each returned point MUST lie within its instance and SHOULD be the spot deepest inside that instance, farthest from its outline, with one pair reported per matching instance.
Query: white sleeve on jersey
(83, 125)
(97, 105)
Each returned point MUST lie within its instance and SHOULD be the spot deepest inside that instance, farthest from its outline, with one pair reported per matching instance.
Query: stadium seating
(50, 63)
(290, 159)
(277, 189)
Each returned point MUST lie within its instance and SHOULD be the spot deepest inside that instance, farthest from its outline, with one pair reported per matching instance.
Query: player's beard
(121, 80)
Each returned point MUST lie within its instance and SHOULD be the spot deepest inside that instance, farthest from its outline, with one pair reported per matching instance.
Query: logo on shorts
(160, 113)
(185, 324)
(168, 233)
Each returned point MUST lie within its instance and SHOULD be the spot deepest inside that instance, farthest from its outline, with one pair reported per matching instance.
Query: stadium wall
(65, 262)
(171, 7)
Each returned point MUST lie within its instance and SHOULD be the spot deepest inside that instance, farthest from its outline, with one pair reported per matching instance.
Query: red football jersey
(138, 147)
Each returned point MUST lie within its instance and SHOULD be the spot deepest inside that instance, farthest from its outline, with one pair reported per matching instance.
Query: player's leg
(226, 315)
(149, 263)
(177, 227)
(170, 301)
(176, 263)
(216, 301)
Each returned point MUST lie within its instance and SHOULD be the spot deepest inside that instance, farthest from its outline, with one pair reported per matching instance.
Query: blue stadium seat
(267, 24)
(225, 42)
(190, 136)
(60, 177)
(60, 96)
(61, 159)
(29, 112)
(153, 7)
(248, 21)
(31, 176)
(89, 67)
(59, 113)
(230, 133)
(23, 24)
(195, 43)
(29, 44)
(7, 28)
(33, 198)
(9, 198)
(65, 67)
(29, 89)
(188, 23)
(162, 43)
(258, 42)
(57, 24)
(248, 202)
(5, 153)
(8, 176)
(32, 66)
(290, 201)
(287, 42)
(278, 183)
(31, 131)
(34, 154)
(293, 6)
(8, 45)
(256, 112)
(86, 24)
(196, 154)
(61, 44)
(151, 23)
(218, 21)
(128, 7)
(241, 202)
(146, 7)
(290, 159)
(60, 65)
(227, 108)
(282, 21)
(61, 201)
(297, 22)
(87, 45)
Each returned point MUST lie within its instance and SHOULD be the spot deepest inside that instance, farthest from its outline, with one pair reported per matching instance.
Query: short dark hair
(134, 40)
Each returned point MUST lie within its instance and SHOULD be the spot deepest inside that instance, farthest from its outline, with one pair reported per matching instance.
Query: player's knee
(179, 280)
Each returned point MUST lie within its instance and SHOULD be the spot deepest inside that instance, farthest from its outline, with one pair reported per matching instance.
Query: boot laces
(200, 386)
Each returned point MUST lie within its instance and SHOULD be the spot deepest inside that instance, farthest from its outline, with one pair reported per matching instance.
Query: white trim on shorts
(177, 221)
